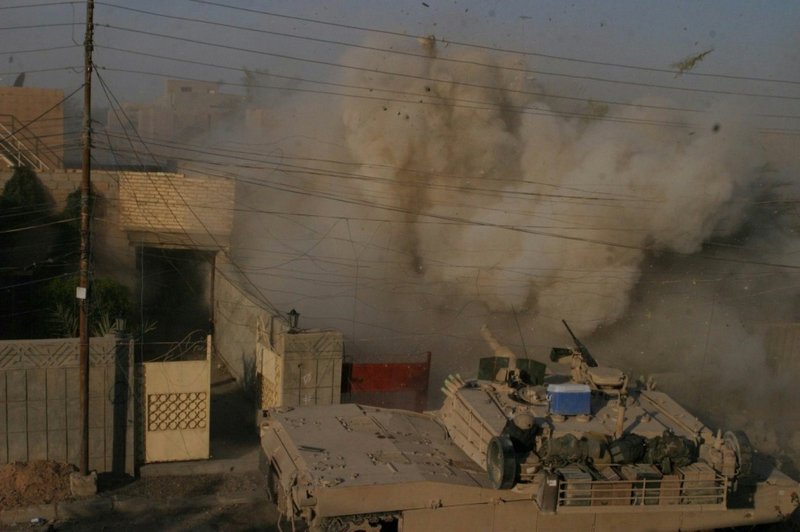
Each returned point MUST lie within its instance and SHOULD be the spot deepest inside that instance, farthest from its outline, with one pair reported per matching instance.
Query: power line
(478, 224)
(39, 70)
(45, 4)
(495, 48)
(258, 156)
(397, 52)
(605, 243)
(37, 226)
(31, 208)
(263, 163)
(479, 105)
(499, 67)
(313, 171)
(36, 50)
(39, 26)
(37, 281)
(416, 94)
(509, 227)
(116, 110)
(40, 116)
(221, 248)
(456, 219)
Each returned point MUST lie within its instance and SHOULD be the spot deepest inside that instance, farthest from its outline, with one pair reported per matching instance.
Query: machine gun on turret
(557, 353)
(585, 368)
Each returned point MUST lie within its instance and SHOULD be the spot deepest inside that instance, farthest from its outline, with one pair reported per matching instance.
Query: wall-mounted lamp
(294, 318)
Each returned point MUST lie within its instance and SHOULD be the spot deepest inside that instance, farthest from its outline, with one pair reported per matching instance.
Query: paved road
(241, 517)
(230, 501)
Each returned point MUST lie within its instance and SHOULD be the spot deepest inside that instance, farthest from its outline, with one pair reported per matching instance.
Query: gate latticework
(177, 407)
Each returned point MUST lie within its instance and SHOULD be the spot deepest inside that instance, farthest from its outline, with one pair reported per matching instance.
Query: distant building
(32, 127)
(186, 110)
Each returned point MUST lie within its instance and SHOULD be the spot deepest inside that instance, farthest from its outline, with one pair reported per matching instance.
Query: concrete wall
(276, 366)
(146, 208)
(40, 408)
(177, 209)
(151, 201)
(311, 372)
(236, 318)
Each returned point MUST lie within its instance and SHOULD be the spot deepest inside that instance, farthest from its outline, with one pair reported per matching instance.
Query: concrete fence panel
(40, 407)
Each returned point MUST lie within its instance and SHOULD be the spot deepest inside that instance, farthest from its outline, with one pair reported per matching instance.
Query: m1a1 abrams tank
(516, 449)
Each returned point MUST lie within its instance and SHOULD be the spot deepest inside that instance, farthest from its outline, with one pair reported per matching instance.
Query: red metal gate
(388, 385)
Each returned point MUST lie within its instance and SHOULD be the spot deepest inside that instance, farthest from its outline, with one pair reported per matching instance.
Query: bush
(108, 301)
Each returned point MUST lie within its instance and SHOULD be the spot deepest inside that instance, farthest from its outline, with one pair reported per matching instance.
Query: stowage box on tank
(570, 399)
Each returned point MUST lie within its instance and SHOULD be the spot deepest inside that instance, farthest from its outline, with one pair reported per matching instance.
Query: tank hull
(350, 465)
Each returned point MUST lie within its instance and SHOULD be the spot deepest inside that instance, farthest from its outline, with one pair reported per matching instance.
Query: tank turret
(597, 436)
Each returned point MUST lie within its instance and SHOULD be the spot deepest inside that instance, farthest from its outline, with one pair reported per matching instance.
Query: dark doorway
(174, 302)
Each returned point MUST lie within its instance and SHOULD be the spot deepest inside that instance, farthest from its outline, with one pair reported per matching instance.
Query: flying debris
(428, 44)
(690, 62)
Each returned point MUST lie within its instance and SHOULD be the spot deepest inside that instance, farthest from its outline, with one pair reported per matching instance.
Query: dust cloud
(510, 203)
(450, 190)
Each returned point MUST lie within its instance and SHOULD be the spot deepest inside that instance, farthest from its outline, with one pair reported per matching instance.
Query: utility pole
(83, 283)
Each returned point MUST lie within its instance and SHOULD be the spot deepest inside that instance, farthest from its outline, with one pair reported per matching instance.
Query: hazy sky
(749, 39)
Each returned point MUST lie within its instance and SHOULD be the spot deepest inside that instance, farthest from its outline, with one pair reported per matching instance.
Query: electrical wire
(40, 70)
(494, 48)
(40, 116)
(416, 94)
(36, 50)
(112, 98)
(44, 4)
(410, 183)
(38, 281)
(480, 105)
(37, 226)
(455, 219)
(39, 26)
(509, 68)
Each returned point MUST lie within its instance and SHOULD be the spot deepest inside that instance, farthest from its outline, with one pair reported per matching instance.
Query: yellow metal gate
(177, 408)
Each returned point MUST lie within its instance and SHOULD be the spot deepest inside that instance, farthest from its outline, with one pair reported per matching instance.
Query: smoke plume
(451, 190)
(508, 202)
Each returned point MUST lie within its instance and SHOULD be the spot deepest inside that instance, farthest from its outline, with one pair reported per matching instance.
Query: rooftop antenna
(521, 336)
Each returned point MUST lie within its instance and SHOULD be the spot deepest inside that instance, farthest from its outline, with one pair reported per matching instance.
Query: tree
(26, 239)
(24, 201)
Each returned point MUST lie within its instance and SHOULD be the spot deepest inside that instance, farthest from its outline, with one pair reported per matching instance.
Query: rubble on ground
(37, 482)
